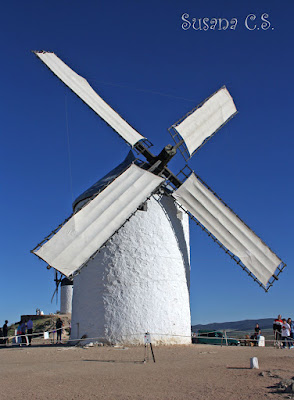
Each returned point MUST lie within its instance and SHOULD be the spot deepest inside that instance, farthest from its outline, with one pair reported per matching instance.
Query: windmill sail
(206, 119)
(228, 228)
(87, 230)
(81, 87)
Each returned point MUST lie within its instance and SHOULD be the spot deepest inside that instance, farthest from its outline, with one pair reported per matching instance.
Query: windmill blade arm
(218, 219)
(55, 291)
(82, 89)
(202, 123)
(90, 228)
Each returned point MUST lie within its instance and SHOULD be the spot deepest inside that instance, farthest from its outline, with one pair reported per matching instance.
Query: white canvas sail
(206, 119)
(87, 230)
(81, 87)
(229, 229)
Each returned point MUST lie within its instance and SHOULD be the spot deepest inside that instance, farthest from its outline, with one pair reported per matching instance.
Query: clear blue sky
(140, 60)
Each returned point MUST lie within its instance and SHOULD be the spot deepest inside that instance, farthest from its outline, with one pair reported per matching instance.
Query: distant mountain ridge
(244, 325)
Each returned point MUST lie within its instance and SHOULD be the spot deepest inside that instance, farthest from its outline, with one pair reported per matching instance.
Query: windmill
(65, 293)
(130, 268)
(57, 283)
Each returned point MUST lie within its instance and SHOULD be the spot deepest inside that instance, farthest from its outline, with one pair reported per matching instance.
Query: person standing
(30, 330)
(292, 330)
(286, 334)
(23, 332)
(255, 335)
(18, 334)
(59, 325)
(1, 336)
(289, 322)
(277, 327)
(5, 332)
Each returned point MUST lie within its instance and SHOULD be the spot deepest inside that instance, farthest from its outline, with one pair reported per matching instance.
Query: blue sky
(148, 68)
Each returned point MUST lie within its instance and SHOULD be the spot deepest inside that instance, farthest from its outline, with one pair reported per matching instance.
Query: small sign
(46, 335)
(147, 338)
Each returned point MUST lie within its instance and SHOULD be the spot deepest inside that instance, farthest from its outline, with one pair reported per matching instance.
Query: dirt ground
(180, 372)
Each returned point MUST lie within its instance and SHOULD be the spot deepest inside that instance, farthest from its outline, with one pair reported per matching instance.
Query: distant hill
(245, 325)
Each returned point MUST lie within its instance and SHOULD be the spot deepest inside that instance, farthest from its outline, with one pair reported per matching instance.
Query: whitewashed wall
(139, 282)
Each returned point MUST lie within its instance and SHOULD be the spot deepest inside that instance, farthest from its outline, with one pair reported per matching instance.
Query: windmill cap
(66, 282)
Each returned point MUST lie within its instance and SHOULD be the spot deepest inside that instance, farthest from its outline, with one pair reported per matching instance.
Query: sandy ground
(189, 372)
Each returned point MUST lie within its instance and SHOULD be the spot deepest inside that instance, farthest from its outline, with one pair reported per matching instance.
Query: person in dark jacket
(5, 332)
(59, 325)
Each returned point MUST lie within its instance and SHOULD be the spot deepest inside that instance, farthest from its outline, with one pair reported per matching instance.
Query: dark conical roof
(65, 282)
(100, 185)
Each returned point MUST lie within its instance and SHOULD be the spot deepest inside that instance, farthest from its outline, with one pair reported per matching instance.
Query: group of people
(25, 332)
(284, 332)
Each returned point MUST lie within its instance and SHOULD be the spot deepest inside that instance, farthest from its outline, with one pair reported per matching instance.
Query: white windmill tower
(131, 267)
(66, 292)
